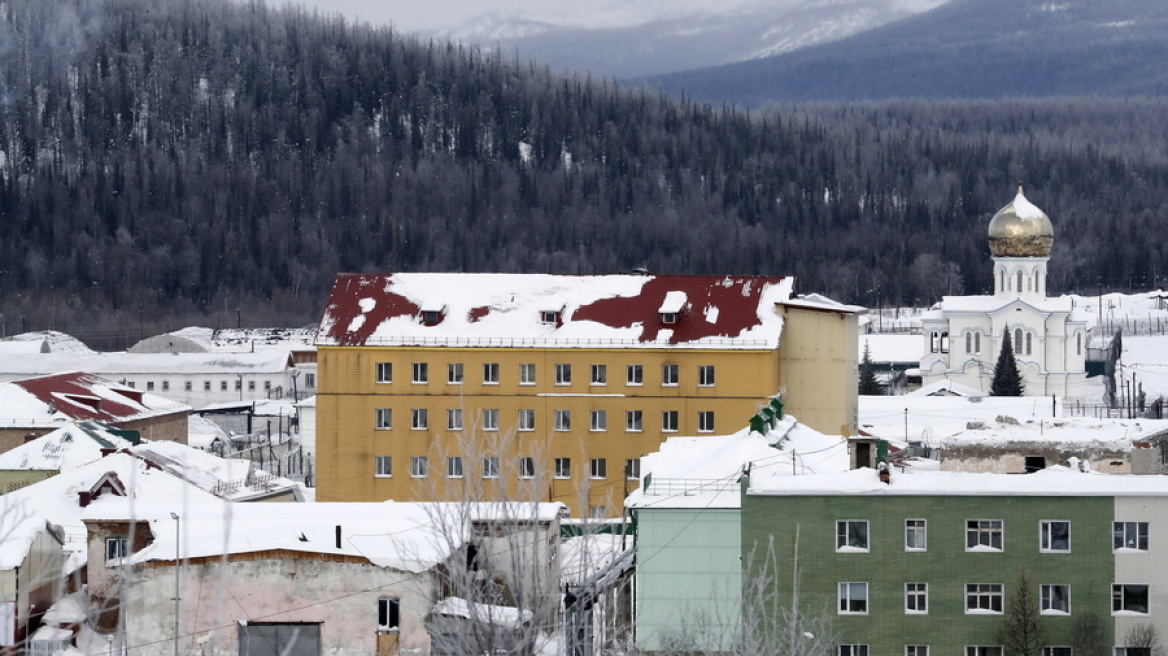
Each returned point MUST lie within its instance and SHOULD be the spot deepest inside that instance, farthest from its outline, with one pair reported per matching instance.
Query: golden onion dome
(1020, 230)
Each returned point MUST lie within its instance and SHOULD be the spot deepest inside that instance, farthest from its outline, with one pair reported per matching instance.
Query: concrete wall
(1144, 567)
(820, 360)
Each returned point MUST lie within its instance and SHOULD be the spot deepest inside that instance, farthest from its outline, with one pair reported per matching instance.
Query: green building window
(853, 599)
(1056, 599)
(983, 535)
(916, 537)
(1055, 536)
(851, 535)
(983, 598)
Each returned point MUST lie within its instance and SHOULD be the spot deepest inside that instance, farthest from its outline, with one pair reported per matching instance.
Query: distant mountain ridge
(963, 49)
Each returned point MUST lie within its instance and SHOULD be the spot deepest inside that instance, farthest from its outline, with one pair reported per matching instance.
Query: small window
(454, 467)
(983, 598)
(563, 468)
(669, 375)
(634, 374)
(384, 419)
(166, 386)
(1132, 536)
(1133, 651)
(945, 341)
(238, 384)
(117, 546)
(384, 372)
(1029, 339)
(916, 650)
(419, 466)
(206, 386)
(1129, 599)
(983, 651)
(705, 375)
(388, 614)
(222, 386)
(454, 373)
(598, 468)
(669, 421)
(706, 421)
(491, 419)
(633, 422)
(851, 535)
(983, 535)
(187, 386)
(599, 421)
(150, 386)
(250, 385)
(491, 373)
(1058, 651)
(267, 385)
(309, 381)
(419, 419)
(1055, 599)
(527, 420)
(431, 317)
(916, 536)
(563, 374)
(491, 467)
(853, 650)
(969, 342)
(916, 598)
(1078, 343)
(421, 372)
(853, 599)
(526, 467)
(599, 374)
(384, 466)
(1054, 536)
(563, 420)
(549, 317)
(633, 469)
(454, 419)
(597, 512)
(527, 373)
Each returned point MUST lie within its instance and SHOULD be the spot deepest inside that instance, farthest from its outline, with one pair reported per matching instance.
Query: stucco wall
(1144, 567)
(820, 362)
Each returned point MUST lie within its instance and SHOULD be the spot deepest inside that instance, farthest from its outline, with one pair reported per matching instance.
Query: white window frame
(490, 419)
(563, 374)
(454, 467)
(563, 469)
(598, 469)
(490, 466)
(916, 598)
(117, 546)
(384, 419)
(419, 419)
(983, 650)
(853, 650)
(1050, 603)
(705, 421)
(632, 469)
(454, 419)
(986, 598)
(383, 467)
(706, 375)
(670, 420)
(384, 373)
(916, 650)
(852, 598)
(563, 420)
(527, 373)
(1046, 536)
(388, 608)
(454, 373)
(1130, 537)
(526, 420)
(419, 373)
(670, 375)
(526, 467)
(598, 421)
(918, 528)
(980, 535)
(634, 375)
(634, 421)
(1119, 603)
(490, 373)
(845, 535)
(598, 375)
(419, 466)
(597, 512)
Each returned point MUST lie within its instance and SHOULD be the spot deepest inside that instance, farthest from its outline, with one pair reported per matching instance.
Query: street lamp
(177, 525)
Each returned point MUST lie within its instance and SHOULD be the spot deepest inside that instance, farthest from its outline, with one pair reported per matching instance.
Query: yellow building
(444, 386)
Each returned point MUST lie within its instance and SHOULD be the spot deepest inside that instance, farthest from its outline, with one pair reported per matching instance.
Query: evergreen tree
(1007, 380)
(1021, 633)
(869, 386)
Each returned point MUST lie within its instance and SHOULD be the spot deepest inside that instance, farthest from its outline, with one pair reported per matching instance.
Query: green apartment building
(925, 565)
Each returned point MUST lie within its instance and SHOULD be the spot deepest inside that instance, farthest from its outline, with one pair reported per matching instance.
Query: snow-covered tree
(1007, 380)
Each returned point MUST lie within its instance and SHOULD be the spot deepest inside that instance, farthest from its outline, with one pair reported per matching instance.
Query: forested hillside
(177, 159)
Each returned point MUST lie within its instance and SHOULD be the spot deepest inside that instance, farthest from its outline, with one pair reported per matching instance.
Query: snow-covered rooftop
(120, 364)
(68, 447)
(553, 310)
(57, 399)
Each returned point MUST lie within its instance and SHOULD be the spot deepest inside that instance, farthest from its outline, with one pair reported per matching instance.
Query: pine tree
(869, 386)
(1021, 633)
(1007, 381)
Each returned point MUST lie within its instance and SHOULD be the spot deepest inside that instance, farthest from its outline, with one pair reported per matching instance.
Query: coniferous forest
(170, 160)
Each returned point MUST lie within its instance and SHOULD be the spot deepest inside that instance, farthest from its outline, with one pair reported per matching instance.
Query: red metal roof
(78, 395)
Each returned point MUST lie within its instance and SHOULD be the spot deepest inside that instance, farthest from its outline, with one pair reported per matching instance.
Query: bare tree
(1144, 637)
(1087, 635)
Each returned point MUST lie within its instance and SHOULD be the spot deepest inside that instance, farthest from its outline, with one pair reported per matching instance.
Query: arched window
(1036, 287)
(1002, 280)
(945, 342)
(1018, 340)
(1078, 343)
(1019, 280)
(1028, 344)
(969, 342)
(977, 342)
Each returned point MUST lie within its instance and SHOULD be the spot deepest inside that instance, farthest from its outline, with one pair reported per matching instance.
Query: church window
(1002, 279)
(1018, 340)
(934, 342)
(1019, 281)
(969, 342)
(1036, 280)
(1028, 344)
(945, 342)
(1078, 343)
(977, 342)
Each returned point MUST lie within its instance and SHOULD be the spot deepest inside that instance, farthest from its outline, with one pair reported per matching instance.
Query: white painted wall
(1146, 567)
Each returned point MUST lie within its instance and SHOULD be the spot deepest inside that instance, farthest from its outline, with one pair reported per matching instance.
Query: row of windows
(1054, 535)
(189, 385)
(525, 467)
(598, 374)
(988, 598)
(561, 420)
(994, 650)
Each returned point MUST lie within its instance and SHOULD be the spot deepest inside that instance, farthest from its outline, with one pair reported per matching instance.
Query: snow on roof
(893, 348)
(1147, 358)
(113, 365)
(1049, 482)
(229, 478)
(506, 616)
(57, 342)
(56, 399)
(994, 304)
(823, 303)
(66, 448)
(505, 309)
(585, 555)
(70, 609)
(9, 346)
(947, 388)
(674, 302)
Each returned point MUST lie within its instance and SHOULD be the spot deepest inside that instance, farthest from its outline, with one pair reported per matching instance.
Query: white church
(963, 334)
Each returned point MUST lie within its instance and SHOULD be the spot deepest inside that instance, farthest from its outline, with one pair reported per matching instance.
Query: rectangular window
(384, 466)
(421, 373)
(385, 372)
(454, 419)
(669, 375)
(705, 375)
(1129, 599)
(388, 614)
(669, 421)
(166, 386)
(206, 386)
(563, 468)
(563, 420)
(238, 385)
(250, 385)
(1055, 599)
(599, 374)
(1133, 651)
(853, 650)
(187, 386)
(527, 373)
(633, 469)
(706, 421)
(916, 650)
(599, 421)
(491, 373)
(527, 420)
(384, 419)
(491, 467)
(222, 386)
(267, 385)
(116, 546)
(454, 467)
(1054, 536)
(983, 535)
(526, 467)
(1131, 535)
(597, 512)
(419, 466)
(491, 419)
(419, 419)
(150, 386)
(983, 651)
(549, 317)
(634, 375)
(1057, 651)
(598, 468)
(916, 536)
(853, 599)
(633, 421)
(454, 373)
(916, 598)
(563, 374)
(983, 598)
(851, 535)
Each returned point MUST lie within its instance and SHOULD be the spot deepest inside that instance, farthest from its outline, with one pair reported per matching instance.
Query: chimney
(84, 497)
